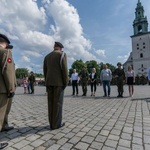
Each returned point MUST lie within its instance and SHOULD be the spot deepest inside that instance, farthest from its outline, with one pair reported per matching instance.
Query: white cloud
(25, 59)
(100, 53)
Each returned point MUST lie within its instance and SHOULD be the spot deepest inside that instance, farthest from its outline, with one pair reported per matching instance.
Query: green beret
(5, 38)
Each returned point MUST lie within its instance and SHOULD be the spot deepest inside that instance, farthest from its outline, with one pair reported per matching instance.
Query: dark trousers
(55, 104)
(93, 85)
(32, 87)
(74, 86)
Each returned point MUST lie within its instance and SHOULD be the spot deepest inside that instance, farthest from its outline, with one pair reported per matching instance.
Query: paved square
(92, 123)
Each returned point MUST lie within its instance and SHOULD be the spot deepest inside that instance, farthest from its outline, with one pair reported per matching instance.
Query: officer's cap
(58, 44)
(119, 63)
(10, 47)
(5, 38)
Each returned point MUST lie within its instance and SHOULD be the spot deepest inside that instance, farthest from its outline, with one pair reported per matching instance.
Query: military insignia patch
(9, 60)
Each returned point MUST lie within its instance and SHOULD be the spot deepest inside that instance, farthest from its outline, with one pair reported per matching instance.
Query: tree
(21, 72)
(92, 64)
(78, 65)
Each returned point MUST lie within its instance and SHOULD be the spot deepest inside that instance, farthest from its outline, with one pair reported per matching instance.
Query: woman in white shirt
(130, 80)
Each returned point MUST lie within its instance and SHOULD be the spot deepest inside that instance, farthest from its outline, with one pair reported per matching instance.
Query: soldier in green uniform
(120, 78)
(84, 76)
(32, 82)
(7, 82)
(56, 79)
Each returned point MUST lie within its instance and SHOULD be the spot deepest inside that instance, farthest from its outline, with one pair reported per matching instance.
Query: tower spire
(140, 23)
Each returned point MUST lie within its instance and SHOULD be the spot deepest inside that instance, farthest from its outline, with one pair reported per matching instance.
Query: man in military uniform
(32, 82)
(120, 78)
(84, 76)
(56, 78)
(7, 82)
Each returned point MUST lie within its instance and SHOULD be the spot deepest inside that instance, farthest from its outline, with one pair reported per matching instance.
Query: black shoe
(63, 124)
(8, 128)
(3, 145)
(121, 96)
(105, 96)
(118, 96)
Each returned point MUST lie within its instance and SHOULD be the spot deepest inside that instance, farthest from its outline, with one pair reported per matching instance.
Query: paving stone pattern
(92, 123)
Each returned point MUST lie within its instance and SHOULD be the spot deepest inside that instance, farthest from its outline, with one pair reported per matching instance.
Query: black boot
(118, 94)
(121, 95)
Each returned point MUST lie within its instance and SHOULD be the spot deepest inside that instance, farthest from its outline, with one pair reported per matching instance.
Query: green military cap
(58, 44)
(10, 47)
(5, 38)
(119, 63)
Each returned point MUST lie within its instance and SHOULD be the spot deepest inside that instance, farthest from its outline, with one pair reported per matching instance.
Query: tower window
(141, 55)
(137, 47)
(137, 44)
(143, 43)
(139, 28)
(143, 46)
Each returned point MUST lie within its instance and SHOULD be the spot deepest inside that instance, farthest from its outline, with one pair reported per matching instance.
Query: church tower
(139, 58)
(140, 23)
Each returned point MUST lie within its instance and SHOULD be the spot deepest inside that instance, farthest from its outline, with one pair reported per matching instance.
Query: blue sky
(89, 29)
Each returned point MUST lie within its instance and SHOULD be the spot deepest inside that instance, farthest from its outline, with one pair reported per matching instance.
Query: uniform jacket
(120, 73)
(55, 74)
(7, 71)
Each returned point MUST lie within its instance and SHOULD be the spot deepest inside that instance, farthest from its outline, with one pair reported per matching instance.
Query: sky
(97, 30)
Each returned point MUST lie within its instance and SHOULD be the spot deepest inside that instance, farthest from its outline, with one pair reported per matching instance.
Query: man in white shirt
(74, 81)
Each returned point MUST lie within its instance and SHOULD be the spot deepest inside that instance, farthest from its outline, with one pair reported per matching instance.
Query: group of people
(105, 78)
(28, 83)
(56, 79)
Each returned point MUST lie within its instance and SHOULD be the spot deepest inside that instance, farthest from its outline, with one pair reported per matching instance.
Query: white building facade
(139, 58)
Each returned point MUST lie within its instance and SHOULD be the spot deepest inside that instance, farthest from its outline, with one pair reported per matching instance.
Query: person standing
(74, 81)
(25, 82)
(32, 82)
(84, 79)
(7, 82)
(106, 77)
(56, 78)
(120, 78)
(93, 80)
(130, 80)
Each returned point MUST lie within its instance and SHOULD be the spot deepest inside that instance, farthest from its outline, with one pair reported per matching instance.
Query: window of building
(143, 46)
(142, 65)
(141, 55)
(137, 47)
(137, 44)
(143, 43)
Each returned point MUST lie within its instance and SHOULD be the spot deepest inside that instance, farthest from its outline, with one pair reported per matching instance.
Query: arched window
(139, 28)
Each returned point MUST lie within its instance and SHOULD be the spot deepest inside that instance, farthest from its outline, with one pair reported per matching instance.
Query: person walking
(8, 82)
(56, 78)
(3, 145)
(84, 79)
(105, 78)
(93, 81)
(120, 78)
(130, 80)
(74, 80)
(32, 81)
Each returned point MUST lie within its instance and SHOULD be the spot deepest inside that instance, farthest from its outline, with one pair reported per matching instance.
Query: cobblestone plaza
(92, 123)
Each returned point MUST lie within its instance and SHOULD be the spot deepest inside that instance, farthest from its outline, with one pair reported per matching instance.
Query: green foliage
(78, 64)
(21, 72)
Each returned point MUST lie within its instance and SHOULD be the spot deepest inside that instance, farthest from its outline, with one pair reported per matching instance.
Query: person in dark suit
(7, 82)
(56, 78)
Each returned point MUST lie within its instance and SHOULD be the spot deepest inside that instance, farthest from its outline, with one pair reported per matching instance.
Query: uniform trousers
(32, 87)
(84, 87)
(55, 104)
(5, 124)
(4, 100)
(120, 84)
(74, 86)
